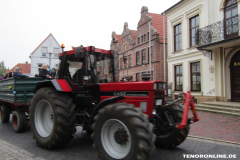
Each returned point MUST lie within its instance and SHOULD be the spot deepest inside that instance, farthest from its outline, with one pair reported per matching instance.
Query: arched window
(231, 18)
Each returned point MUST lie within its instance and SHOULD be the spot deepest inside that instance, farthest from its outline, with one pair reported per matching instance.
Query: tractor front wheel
(175, 136)
(121, 131)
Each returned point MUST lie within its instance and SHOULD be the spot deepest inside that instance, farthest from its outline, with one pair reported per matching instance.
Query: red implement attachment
(188, 103)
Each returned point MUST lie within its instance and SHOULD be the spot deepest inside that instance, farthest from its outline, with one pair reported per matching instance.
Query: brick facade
(134, 47)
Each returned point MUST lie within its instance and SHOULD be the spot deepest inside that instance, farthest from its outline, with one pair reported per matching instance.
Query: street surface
(23, 146)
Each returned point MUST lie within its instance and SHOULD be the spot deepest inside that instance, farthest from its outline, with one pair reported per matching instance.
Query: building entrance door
(235, 77)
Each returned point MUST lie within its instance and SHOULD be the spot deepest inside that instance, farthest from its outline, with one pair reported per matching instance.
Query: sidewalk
(11, 152)
(216, 126)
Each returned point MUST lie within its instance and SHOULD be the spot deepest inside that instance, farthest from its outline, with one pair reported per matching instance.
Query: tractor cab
(86, 65)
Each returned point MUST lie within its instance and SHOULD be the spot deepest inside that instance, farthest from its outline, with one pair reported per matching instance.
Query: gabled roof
(157, 23)
(133, 34)
(26, 68)
(119, 39)
(45, 40)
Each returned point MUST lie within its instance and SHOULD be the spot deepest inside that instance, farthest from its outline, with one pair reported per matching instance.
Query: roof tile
(26, 68)
(157, 23)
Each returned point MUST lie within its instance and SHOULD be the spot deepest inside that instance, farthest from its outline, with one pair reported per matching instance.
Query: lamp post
(150, 56)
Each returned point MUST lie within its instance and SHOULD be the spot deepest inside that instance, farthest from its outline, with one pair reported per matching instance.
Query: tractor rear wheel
(19, 121)
(52, 118)
(175, 136)
(5, 113)
(121, 131)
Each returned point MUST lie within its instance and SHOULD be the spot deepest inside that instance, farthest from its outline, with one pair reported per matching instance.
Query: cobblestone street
(11, 152)
(216, 126)
(23, 146)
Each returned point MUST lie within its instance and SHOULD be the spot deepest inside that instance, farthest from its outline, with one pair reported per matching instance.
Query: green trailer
(15, 96)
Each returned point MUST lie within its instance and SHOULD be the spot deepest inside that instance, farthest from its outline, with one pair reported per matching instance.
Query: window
(137, 58)
(137, 76)
(142, 38)
(195, 76)
(44, 51)
(138, 40)
(121, 63)
(231, 18)
(178, 78)
(129, 61)
(148, 36)
(151, 55)
(143, 56)
(125, 63)
(177, 37)
(39, 67)
(194, 25)
(55, 52)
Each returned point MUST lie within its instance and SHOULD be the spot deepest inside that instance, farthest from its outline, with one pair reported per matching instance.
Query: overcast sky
(24, 24)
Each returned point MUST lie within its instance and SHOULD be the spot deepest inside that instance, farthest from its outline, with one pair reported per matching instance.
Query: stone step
(219, 112)
(219, 108)
(223, 104)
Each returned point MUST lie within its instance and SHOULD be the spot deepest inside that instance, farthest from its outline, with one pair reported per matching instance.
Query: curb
(215, 140)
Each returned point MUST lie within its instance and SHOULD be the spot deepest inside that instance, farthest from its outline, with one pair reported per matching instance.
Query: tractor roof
(89, 49)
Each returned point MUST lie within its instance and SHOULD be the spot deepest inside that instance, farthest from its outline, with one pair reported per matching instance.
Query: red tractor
(125, 119)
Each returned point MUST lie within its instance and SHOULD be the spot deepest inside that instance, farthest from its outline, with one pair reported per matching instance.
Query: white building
(204, 49)
(41, 54)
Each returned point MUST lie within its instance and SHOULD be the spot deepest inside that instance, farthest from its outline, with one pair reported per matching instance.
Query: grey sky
(24, 24)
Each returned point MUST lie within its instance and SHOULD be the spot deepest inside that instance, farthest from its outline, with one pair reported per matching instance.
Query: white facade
(215, 83)
(40, 55)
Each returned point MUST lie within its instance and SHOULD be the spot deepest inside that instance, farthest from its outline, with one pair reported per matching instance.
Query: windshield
(99, 68)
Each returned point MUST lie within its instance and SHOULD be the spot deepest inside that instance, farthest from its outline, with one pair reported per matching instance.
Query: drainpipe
(150, 56)
(164, 46)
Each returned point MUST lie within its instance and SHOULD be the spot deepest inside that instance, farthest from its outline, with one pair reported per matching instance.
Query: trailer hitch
(188, 103)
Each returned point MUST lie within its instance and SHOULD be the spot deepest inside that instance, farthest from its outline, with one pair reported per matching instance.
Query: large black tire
(52, 118)
(5, 113)
(19, 121)
(175, 136)
(126, 128)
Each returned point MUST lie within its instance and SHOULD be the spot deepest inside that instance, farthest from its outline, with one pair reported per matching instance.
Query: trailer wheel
(19, 121)
(52, 118)
(121, 131)
(5, 113)
(175, 136)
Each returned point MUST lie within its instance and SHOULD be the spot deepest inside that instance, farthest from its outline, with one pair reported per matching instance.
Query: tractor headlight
(159, 85)
(155, 86)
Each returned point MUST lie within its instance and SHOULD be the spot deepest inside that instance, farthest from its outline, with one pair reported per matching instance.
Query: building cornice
(194, 11)
(177, 20)
(188, 55)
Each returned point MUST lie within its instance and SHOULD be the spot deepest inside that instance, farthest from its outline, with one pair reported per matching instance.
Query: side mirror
(79, 52)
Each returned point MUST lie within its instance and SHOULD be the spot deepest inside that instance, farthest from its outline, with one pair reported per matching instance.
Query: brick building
(133, 47)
